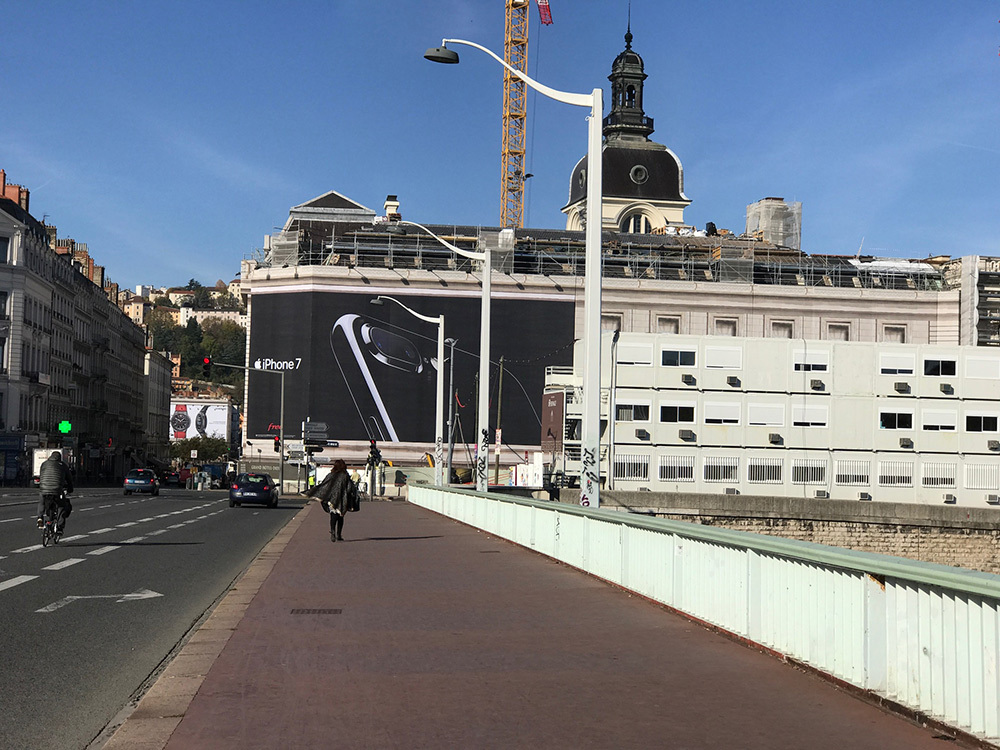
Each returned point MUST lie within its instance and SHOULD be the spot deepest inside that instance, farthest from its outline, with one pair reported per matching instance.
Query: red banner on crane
(543, 11)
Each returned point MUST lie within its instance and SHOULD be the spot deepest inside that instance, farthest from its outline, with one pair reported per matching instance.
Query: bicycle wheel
(47, 535)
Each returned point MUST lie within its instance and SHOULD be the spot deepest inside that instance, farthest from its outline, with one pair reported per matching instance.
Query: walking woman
(334, 493)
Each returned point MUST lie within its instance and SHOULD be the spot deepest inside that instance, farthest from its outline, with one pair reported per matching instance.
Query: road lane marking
(108, 529)
(119, 598)
(103, 550)
(64, 564)
(157, 532)
(11, 520)
(133, 540)
(16, 582)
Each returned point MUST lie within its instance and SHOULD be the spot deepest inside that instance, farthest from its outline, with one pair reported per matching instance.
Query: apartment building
(68, 353)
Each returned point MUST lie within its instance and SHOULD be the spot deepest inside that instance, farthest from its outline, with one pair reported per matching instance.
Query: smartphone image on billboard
(387, 378)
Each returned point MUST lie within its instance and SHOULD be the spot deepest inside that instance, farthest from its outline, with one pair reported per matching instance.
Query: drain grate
(316, 611)
(489, 552)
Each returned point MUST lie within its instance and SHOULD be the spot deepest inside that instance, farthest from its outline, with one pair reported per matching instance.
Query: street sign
(296, 455)
(309, 428)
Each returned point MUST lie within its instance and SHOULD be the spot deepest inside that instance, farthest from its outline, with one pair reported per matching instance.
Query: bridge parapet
(922, 636)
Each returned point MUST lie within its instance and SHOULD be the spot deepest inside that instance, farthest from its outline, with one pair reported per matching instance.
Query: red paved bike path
(419, 632)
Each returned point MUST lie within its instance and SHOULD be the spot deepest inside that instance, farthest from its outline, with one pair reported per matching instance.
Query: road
(83, 625)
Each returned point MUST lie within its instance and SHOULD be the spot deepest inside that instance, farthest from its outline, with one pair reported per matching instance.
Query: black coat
(332, 491)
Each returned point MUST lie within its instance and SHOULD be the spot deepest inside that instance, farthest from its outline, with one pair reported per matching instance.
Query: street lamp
(482, 454)
(590, 472)
(451, 406)
(439, 400)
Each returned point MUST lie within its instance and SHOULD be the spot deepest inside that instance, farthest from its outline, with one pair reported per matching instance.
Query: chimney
(391, 207)
(15, 193)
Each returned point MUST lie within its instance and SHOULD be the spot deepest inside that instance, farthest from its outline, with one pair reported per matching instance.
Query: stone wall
(945, 534)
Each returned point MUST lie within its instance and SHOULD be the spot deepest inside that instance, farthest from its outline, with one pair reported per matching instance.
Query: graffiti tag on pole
(482, 470)
(588, 486)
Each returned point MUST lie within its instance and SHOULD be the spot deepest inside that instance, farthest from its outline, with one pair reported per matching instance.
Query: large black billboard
(371, 371)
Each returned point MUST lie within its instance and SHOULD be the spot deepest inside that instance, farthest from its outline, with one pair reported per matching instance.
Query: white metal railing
(924, 636)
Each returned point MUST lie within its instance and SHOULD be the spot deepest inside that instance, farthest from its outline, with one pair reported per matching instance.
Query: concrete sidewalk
(419, 632)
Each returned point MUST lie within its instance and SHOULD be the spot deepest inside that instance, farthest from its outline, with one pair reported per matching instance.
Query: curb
(159, 711)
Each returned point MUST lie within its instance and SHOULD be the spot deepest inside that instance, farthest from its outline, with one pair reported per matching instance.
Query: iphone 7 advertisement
(370, 371)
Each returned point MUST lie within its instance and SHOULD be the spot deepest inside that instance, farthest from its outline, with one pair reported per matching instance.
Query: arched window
(637, 223)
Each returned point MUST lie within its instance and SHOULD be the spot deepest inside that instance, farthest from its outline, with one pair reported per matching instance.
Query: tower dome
(643, 185)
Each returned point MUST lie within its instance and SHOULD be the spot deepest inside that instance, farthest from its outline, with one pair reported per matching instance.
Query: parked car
(172, 477)
(141, 480)
(253, 488)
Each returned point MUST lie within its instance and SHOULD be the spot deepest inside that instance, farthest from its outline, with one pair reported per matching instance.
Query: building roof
(332, 199)
(634, 173)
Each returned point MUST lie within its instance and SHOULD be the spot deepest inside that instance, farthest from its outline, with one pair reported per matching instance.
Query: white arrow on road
(135, 596)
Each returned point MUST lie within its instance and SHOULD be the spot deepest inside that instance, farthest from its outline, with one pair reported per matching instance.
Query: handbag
(353, 500)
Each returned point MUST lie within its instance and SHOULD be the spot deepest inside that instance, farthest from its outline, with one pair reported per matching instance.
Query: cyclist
(54, 482)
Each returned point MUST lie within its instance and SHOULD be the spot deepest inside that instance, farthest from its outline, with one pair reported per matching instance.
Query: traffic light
(277, 444)
(374, 454)
(206, 367)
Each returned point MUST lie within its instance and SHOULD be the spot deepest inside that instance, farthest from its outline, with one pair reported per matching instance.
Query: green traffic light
(65, 427)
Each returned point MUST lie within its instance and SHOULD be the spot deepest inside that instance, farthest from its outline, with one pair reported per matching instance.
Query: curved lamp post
(590, 470)
(482, 454)
(439, 396)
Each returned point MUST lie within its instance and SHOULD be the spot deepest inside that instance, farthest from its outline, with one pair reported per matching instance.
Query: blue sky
(171, 137)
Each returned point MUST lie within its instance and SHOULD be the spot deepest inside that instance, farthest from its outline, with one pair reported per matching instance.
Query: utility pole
(451, 408)
(496, 471)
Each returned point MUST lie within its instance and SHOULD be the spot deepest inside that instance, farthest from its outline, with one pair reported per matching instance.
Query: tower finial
(628, 32)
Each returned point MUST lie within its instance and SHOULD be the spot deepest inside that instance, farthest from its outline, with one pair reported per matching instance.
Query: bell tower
(642, 188)
(626, 120)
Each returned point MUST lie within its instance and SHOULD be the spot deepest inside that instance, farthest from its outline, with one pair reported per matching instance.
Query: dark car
(172, 477)
(141, 480)
(253, 488)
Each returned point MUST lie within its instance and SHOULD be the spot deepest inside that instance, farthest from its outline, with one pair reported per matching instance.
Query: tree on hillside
(188, 345)
(225, 341)
(202, 299)
(209, 449)
(228, 302)
(162, 328)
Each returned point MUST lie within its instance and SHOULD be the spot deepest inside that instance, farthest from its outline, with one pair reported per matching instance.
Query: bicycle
(51, 534)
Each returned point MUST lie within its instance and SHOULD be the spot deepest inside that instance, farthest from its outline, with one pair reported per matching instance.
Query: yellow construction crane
(515, 54)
